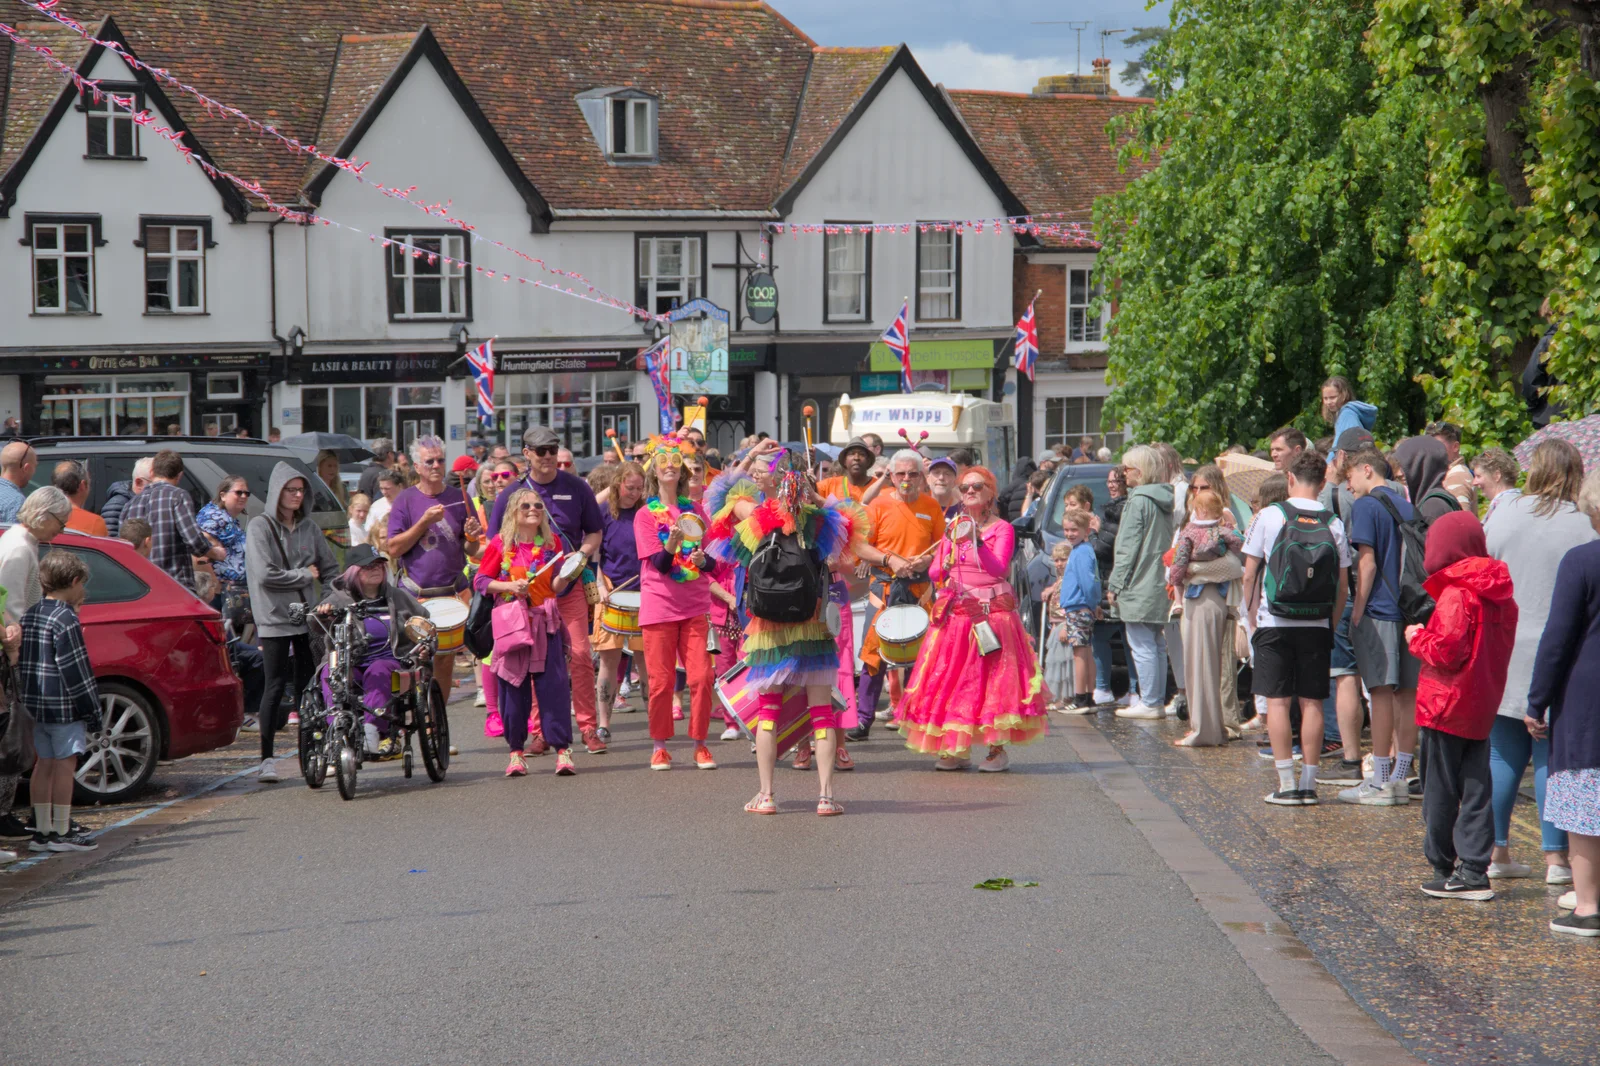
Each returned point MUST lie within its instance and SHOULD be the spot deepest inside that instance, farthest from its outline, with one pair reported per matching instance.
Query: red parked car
(166, 687)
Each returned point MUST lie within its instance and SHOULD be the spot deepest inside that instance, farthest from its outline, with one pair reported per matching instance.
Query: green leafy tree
(1270, 247)
(1513, 209)
(1137, 71)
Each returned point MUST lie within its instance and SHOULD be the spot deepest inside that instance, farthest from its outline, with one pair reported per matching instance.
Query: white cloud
(960, 66)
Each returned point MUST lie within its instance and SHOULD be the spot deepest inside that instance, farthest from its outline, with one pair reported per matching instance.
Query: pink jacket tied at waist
(521, 638)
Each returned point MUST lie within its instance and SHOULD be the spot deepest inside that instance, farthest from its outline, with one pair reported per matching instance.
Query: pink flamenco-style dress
(958, 697)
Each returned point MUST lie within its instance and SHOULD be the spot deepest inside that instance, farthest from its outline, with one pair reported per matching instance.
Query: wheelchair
(334, 736)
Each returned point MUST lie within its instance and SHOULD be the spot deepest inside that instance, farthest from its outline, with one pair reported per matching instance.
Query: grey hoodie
(277, 559)
(1138, 576)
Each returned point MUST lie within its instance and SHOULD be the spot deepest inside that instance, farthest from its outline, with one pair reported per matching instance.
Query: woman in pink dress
(959, 693)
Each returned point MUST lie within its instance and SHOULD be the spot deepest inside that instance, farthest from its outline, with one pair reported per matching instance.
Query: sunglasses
(504, 475)
(530, 506)
(242, 492)
(972, 486)
(545, 451)
(564, 466)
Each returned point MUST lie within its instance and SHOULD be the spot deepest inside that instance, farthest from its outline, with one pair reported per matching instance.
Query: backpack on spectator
(783, 582)
(1416, 605)
(1302, 569)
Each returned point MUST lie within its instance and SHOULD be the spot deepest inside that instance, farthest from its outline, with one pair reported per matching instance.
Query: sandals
(827, 807)
(802, 758)
(762, 804)
(842, 760)
(1188, 740)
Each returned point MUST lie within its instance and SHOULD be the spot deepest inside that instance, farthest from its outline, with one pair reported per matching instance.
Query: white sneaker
(1103, 696)
(1399, 792)
(1558, 875)
(269, 772)
(625, 690)
(1142, 711)
(886, 715)
(1257, 724)
(1568, 901)
(1499, 871)
(11, 856)
(1369, 794)
(482, 698)
(1126, 700)
(453, 750)
(730, 733)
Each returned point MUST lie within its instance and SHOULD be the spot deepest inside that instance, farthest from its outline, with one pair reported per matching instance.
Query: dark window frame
(85, 106)
(955, 267)
(866, 298)
(30, 220)
(394, 234)
(199, 222)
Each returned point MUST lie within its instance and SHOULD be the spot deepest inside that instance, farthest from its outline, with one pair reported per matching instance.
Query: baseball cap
(1353, 440)
(464, 464)
(945, 460)
(540, 437)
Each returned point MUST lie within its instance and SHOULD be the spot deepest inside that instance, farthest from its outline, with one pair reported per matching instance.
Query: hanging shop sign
(699, 349)
(761, 297)
(562, 362)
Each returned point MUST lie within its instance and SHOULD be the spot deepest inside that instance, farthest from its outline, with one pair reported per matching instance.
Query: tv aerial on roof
(1077, 27)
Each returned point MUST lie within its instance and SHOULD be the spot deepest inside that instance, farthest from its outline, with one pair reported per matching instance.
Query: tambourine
(572, 566)
(419, 629)
(962, 527)
(691, 527)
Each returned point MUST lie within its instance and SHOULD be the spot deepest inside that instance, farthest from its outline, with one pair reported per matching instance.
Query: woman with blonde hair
(529, 661)
(327, 468)
(1137, 586)
(619, 569)
(1530, 534)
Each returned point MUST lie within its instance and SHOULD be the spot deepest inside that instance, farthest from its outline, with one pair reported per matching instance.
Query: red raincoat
(1466, 646)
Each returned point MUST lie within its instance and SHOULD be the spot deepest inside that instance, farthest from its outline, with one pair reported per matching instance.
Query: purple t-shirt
(438, 559)
(619, 554)
(570, 501)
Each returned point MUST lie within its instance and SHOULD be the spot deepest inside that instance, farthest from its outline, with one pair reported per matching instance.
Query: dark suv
(206, 461)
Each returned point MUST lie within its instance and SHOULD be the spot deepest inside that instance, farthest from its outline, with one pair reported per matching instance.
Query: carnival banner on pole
(654, 361)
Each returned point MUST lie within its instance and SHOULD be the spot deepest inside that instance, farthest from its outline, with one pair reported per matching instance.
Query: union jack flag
(898, 339)
(481, 362)
(1027, 354)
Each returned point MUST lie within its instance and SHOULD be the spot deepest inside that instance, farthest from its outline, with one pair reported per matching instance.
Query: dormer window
(632, 127)
(623, 122)
(112, 132)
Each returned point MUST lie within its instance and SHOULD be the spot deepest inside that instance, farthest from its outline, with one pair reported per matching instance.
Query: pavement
(629, 916)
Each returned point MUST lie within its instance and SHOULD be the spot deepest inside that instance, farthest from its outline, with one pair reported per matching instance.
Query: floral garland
(544, 549)
(683, 568)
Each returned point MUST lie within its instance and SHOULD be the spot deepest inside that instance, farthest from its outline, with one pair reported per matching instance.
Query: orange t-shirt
(87, 522)
(840, 488)
(906, 529)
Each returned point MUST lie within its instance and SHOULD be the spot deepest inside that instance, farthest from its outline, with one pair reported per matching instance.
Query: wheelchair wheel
(345, 771)
(405, 764)
(313, 737)
(433, 732)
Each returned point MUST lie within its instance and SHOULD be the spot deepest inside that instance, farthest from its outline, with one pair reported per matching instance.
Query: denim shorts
(56, 740)
(1342, 663)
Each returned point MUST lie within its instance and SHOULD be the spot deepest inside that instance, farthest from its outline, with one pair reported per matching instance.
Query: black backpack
(1302, 569)
(783, 583)
(1416, 606)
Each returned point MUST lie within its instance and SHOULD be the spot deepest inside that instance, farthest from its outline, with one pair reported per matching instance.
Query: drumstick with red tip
(916, 445)
(612, 434)
(808, 411)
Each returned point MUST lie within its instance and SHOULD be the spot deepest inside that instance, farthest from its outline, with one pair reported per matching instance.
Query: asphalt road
(623, 916)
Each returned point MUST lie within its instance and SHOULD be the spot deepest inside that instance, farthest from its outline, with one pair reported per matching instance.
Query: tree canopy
(1384, 189)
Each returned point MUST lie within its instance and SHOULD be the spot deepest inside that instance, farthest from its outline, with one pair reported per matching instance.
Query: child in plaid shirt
(58, 689)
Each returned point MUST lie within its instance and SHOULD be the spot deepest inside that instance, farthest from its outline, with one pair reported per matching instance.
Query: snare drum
(900, 631)
(449, 616)
(620, 613)
(744, 703)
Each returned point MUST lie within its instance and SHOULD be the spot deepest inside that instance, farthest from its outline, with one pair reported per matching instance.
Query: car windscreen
(1058, 499)
(257, 470)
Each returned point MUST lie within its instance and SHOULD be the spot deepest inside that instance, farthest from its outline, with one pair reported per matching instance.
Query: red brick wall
(1050, 310)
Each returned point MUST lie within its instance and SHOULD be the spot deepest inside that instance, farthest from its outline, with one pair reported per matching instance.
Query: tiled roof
(1053, 151)
(32, 87)
(361, 66)
(728, 74)
(837, 79)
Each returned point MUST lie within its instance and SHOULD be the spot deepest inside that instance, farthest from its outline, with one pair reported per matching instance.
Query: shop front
(145, 394)
(578, 393)
(399, 396)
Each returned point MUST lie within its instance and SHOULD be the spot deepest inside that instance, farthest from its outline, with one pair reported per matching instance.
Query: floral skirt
(958, 697)
(1572, 801)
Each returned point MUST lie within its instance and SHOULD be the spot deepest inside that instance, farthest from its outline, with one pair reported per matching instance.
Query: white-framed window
(120, 405)
(112, 132)
(225, 385)
(847, 275)
(938, 276)
(63, 266)
(174, 269)
(1086, 313)
(632, 127)
(428, 275)
(1067, 419)
(578, 407)
(670, 271)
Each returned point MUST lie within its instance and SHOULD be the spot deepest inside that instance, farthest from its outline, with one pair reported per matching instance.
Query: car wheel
(123, 754)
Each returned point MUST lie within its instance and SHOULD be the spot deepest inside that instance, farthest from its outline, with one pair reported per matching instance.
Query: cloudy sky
(979, 44)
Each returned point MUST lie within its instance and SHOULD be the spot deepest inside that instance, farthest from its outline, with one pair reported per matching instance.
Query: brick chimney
(1096, 84)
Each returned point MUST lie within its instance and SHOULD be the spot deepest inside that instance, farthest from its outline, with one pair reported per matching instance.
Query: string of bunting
(253, 188)
(1038, 225)
(441, 211)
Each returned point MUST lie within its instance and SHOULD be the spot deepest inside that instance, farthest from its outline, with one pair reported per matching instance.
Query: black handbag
(479, 635)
